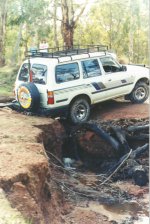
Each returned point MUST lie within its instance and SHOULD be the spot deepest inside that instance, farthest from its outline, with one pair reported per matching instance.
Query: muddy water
(132, 211)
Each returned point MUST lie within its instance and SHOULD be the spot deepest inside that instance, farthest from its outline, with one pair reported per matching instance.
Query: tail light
(30, 75)
(50, 96)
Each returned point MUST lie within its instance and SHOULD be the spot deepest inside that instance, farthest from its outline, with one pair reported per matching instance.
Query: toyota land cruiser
(72, 80)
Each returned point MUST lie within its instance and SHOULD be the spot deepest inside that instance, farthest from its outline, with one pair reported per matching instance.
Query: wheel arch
(85, 96)
(146, 80)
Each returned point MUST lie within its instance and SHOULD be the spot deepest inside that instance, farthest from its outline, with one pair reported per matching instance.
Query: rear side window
(67, 72)
(39, 73)
(24, 73)
(90, 68)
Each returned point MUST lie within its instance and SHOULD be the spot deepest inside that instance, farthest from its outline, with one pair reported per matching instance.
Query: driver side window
(110, 65)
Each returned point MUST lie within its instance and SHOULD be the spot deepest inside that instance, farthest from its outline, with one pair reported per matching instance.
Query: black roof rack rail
(65, 51)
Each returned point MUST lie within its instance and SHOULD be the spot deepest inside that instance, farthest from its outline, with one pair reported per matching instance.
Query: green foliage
(26, 11)
(122, 25)
(7, 79)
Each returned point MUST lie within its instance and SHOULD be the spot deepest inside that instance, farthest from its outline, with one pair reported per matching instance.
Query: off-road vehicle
(71, 80)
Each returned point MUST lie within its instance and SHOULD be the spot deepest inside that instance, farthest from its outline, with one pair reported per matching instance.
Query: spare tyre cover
(28, 96)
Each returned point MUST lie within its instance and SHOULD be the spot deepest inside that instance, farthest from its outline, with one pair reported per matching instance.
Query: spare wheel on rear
(28, 96)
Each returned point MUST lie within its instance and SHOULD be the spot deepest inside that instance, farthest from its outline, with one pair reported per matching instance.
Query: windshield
(110, 64)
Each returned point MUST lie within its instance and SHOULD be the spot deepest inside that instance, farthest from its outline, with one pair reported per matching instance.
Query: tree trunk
(67, 25)
(69, 22)
(55, 23)
(110, 28)
(67, 33)
(16, 48)
(3, 17)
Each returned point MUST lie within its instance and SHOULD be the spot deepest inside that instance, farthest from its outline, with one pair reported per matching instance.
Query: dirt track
(119, 109)
(25, 176)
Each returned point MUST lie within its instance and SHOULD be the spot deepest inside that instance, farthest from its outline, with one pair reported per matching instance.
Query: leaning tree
(69, 20)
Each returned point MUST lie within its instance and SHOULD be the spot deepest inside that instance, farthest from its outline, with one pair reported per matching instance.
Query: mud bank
(25, 176)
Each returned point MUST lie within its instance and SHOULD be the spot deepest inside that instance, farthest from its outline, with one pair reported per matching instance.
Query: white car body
(97, 88)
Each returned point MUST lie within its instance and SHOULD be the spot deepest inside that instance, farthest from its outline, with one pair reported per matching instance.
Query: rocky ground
(29, 192)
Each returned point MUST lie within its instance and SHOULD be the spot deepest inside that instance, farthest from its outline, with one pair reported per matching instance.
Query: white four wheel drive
(70, 81)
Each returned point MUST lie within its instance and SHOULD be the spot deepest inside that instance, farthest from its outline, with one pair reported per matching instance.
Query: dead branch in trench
(75, 187)
(72, 172)
(138, 128)
(84, 191)
(139, 151)
(134, 154)
(98, 131)
(133, 169)
(121, 136)
(71, 180)
(141, 137)
(117, 167)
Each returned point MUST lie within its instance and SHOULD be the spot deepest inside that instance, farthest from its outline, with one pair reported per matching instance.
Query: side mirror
(123, 68)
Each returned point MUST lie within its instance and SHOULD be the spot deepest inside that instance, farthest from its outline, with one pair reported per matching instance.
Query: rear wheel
(28, 97)
(79, 110)
(140, 93)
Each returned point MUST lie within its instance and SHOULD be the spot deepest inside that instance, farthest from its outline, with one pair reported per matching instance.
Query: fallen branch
(133, 169)
(98, 131)
(139, 151)
(140, 137)
(117, 166)
(84, 191)
(121, 136)
(138, 128)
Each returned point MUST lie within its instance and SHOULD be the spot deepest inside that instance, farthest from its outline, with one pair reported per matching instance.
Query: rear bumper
(54, 112)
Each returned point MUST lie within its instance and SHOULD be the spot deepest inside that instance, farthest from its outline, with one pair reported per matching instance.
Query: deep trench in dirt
(83, 142)
(70, 180)
(80, 169)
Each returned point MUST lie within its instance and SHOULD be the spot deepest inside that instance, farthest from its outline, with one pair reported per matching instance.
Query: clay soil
(27, 178)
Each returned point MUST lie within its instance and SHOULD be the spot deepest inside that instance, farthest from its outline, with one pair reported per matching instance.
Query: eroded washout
(53, 172)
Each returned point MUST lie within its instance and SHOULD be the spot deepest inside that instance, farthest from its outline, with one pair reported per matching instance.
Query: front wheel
(140, 93)
(79, 110)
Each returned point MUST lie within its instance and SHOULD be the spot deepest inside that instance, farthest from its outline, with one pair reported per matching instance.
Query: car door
(117, 80)
(93, 79)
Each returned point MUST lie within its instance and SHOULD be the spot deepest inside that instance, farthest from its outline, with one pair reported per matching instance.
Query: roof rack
(65, 51)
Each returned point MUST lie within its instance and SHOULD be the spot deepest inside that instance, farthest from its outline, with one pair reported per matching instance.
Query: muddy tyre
(79, 110)
(28, 97)
(140, 93)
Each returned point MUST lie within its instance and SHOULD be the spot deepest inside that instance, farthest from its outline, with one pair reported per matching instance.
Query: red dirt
(24, 170)
(117, 109)
(81, 216)
(25, 175)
